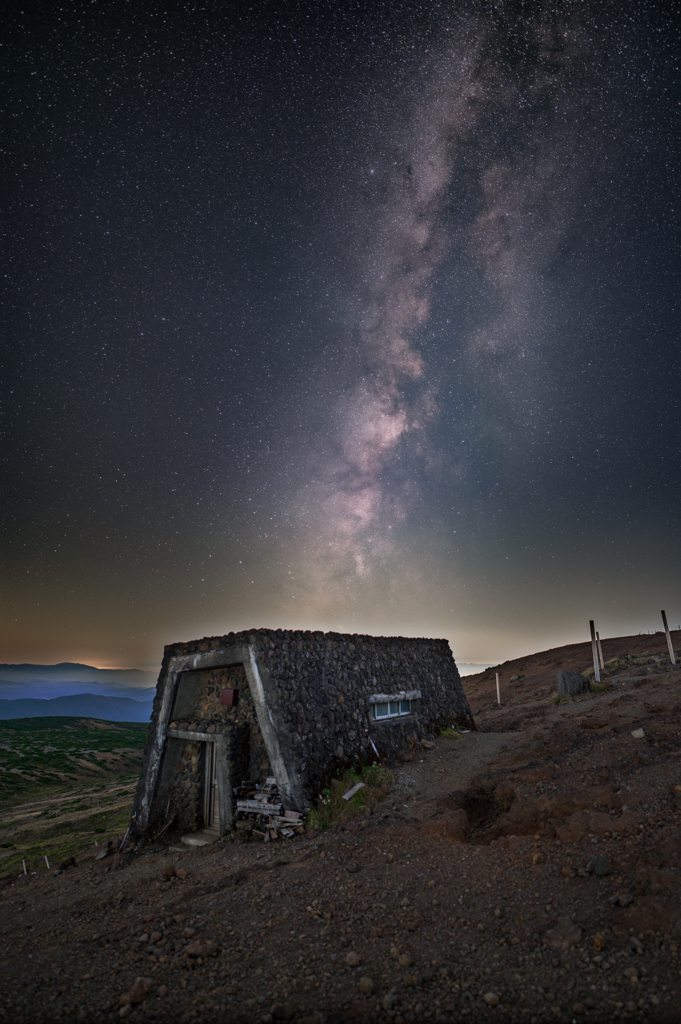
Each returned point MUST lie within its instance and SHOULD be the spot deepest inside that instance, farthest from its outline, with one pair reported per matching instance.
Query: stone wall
(185, 787)
(304, 707)
(322, 683)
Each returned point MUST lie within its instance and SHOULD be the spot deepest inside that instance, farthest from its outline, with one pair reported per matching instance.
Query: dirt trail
(451, 765)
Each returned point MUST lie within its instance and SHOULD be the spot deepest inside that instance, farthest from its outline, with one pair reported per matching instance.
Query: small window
(392, 709)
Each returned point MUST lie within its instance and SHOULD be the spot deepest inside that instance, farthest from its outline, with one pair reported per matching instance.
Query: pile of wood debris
(262, 805)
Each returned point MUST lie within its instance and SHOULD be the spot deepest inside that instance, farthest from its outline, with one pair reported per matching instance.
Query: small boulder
(572, 683)
(138, 993)
(599, 866)
(283, 1011)
(202, 949)
(565, 934)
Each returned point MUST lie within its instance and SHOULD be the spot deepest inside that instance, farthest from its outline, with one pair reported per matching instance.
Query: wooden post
(47, 862)
(498, 690)
(594, 650)
(669, 639)
(600, 651)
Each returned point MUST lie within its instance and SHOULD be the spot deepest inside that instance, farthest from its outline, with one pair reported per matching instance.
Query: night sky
(360, 317)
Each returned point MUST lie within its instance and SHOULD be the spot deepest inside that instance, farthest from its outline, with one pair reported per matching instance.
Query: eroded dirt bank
(472, 893)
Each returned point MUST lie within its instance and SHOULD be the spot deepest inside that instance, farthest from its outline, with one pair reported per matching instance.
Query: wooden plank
(258, 807)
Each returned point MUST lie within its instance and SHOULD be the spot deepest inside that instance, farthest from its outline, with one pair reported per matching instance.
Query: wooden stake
(600, 651)
(24, 863)
(669, 639)
(47, 862)
(594, 650)
(498, 690)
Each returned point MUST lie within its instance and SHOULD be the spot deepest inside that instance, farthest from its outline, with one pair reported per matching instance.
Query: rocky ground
(528, 872)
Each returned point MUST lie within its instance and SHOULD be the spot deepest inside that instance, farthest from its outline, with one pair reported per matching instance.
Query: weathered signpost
(594, 649)
(669, 639)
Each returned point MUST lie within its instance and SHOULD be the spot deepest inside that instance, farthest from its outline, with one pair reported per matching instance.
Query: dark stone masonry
(288, 704)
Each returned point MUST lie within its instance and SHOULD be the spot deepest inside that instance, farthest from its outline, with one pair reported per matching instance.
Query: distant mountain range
(47, 681)
(26, 689)
(85, 705)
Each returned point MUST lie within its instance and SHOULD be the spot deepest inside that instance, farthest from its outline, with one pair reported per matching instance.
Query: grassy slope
(64, 782)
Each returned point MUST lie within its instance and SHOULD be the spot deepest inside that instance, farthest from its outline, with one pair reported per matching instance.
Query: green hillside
(64, 784)
(40, 752)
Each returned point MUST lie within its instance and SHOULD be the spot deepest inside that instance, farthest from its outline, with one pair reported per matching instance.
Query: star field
(362, 318)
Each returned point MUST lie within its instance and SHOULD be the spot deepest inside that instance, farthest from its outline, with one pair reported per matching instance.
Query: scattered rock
(600, 942)
(389, 1000)
(162, 991)
(366, 986)
(169, 871)
(352, 867)
(565, 934)
(638, 734)
(181, 873)
(201, 948)
(621, 899)
(491, 998)
(283, 1011)
(138, 993)
(599, 865)
(404, 960)
(352, 959)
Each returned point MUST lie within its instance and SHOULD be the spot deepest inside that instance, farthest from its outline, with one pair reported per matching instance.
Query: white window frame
(398, 705)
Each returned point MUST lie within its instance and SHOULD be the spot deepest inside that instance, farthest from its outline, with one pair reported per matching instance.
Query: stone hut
(285, 704)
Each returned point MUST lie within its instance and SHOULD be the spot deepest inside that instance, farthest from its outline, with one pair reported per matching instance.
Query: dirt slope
(470, 894)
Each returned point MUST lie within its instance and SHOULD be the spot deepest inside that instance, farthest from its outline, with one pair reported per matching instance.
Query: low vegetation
(64, 784)
(332, 808)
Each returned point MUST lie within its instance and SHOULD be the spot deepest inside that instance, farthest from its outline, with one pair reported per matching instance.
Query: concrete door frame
(288, 780)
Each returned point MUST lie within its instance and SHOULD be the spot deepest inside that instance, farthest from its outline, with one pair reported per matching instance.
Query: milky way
(338, 317)
(525, 199)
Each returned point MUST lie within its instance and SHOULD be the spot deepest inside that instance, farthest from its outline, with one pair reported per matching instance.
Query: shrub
(331, 807)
